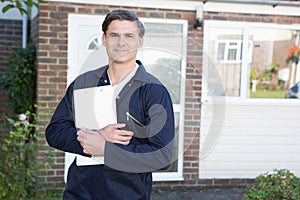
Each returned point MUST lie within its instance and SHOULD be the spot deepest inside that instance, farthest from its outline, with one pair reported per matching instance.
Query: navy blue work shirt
(127, 170)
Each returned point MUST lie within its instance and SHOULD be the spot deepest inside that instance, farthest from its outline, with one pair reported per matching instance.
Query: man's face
(122, 41)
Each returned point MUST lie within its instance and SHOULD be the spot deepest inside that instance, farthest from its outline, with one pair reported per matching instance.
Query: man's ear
(103, 40)
(141, 42)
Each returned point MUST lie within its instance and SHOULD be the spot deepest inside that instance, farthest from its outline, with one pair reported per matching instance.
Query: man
(142, 140)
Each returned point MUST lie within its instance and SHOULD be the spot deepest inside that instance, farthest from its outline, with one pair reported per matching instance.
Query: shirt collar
(140, 75)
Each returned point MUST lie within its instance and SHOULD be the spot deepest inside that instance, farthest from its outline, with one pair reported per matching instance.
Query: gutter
(24, 29)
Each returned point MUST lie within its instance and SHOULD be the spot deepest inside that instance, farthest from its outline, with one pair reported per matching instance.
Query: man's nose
(122, 40)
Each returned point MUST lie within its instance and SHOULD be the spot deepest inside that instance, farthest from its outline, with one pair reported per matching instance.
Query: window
(94, 44)
(229, 51)
(251, 59)
(163, 54)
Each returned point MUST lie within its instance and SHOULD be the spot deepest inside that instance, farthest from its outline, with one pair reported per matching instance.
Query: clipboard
(94, 109)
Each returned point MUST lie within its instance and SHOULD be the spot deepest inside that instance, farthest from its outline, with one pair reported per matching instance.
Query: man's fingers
(117, 126)
(86, 152)
(124, 136)
(113, 133)
(126, 133)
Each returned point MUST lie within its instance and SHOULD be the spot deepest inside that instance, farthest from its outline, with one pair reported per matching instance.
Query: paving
(220, 193)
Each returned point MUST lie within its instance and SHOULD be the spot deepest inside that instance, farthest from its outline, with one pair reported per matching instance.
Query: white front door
(163, 55)
(85, 51)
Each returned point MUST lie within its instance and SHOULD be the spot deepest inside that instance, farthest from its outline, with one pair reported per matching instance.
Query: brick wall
(10, 40)
(52, 75)
(51, 44)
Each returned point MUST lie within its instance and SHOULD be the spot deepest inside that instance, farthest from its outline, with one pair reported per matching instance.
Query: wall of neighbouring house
(10, 40)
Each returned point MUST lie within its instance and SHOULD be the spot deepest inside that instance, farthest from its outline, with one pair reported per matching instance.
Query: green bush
(281, 184)
(19, 83)
(20, 166)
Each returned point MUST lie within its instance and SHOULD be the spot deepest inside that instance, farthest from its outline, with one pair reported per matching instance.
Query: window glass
(225, 47)
(93, 45)
(174, 166)
(221, 51)
(271, 72)
(269, 66)
(162, 54)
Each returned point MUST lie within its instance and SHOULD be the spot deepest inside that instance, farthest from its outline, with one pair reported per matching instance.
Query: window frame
(227, 48)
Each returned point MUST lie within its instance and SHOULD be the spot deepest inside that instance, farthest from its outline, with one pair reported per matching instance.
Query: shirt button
(105, 81)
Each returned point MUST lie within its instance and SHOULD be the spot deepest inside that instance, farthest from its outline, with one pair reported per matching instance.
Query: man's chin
(122, 59)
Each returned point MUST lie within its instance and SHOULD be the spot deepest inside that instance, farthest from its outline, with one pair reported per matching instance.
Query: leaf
(29, 3)
(6, 8)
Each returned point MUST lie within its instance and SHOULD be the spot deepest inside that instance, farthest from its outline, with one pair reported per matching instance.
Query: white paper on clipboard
(94, 109)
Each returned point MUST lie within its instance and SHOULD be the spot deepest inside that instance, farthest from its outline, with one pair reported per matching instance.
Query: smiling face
(122, 41)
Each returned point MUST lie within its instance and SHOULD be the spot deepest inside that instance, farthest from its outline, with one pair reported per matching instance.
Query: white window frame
(244, 26)
(228, 47)
(238, 48)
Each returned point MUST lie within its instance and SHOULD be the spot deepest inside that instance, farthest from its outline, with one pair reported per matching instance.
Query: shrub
(281, 184)
(19, 83)
(19, 166)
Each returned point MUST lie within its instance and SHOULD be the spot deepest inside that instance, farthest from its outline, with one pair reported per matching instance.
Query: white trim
(236, 7)
(169, 176)
(251, 8)
(252, 101)
(239, 24)
(177, 5)
(244, 66)
(166, 4)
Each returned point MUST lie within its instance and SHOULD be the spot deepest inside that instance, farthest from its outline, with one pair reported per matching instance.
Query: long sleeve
(61, 132)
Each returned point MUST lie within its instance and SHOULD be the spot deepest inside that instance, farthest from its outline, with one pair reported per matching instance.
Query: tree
(20, 5)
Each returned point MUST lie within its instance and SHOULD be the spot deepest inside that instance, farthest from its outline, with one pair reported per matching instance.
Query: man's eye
(114, 35)
(130, 35)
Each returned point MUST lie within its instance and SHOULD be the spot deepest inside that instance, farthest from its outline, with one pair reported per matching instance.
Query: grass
(268, 94)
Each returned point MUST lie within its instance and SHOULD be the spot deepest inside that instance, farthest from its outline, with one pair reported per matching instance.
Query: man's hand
(114, 134)
(93, 142)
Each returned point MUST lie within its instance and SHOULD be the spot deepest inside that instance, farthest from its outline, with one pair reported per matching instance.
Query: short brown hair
(123, 15)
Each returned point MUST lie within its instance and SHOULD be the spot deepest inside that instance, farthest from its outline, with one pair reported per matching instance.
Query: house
(207, 53)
